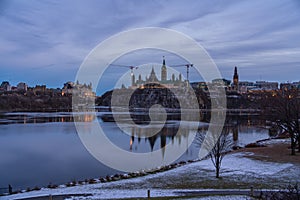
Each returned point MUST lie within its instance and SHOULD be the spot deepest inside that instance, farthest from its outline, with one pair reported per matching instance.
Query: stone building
(173, 82)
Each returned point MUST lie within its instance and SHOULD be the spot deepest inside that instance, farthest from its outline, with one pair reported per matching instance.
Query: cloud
(260, 35)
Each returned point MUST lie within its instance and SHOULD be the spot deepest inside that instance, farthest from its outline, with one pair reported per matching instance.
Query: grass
(204, 179)
(199, 178)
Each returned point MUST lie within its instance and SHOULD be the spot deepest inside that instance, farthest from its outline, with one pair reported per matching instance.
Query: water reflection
(47, 148)
(33, 118)
(243, 130)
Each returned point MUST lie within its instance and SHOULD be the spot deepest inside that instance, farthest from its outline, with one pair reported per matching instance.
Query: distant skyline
(44, 42)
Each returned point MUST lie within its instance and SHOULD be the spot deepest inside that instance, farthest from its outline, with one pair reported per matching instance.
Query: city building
(5, 86)
(22, 86)
(290, 86)
(67, 88)
(245, 86)
(265, 85)
(82, 90)
(173, 82)
(201, 85)
(39, 89)
(235, 81)
(221, 81)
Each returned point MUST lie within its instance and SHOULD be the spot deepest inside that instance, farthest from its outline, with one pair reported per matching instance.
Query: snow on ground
(233, 165)
(94, 193)
(217, 197)
(276, 141)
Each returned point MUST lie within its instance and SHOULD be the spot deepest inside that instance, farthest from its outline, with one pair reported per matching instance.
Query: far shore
(106, 108)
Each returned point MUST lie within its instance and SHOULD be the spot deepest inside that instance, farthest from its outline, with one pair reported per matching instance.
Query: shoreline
(133, 177)
(273, 149)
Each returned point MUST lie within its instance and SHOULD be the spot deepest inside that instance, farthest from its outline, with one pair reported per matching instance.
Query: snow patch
(232, 165)
(237, 163)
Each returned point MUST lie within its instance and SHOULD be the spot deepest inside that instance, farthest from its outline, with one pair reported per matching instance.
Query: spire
(163, 144)
(152, 141)
(235, 79)
(152, 71)
(132, 80)
(152, 77)
(164, 70)
(235, 75)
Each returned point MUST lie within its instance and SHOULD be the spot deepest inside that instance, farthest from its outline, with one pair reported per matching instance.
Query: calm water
(41, 148)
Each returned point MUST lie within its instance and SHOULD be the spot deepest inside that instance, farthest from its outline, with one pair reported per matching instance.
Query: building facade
(5, 86)
(82, 90)
(235, 80)
(173, 82)
(22, 86)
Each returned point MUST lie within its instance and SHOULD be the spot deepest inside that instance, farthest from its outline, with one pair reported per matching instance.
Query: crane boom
(131, 67)
(187, 68)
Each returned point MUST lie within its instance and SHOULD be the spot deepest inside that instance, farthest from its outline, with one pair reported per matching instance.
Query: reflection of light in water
(88, 118)
(130, 143)
(84, 118)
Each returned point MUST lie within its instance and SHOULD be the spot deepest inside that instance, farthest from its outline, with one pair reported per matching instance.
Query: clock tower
(164, 71)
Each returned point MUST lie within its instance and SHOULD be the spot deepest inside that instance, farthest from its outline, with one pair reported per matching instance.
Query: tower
(152, 77)
(132, 79)
(164, 71)
(235, 79)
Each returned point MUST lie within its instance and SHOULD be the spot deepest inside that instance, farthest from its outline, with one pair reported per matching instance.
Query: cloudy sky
(45, 42)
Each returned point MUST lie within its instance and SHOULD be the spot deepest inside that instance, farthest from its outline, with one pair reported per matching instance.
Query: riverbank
(276, 150)
(250, 167)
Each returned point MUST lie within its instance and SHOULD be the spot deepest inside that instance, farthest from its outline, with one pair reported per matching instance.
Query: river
(41, 148)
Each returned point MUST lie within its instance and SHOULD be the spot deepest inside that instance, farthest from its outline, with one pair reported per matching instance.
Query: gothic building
(173, 82)
(235, 79)
(164, 71)
(82, 90)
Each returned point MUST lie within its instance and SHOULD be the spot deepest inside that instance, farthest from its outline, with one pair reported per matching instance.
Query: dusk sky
(45, 42)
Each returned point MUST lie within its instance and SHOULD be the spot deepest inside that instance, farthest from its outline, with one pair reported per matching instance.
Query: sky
(45, 42)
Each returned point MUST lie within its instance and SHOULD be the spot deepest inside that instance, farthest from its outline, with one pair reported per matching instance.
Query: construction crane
(131, 67)
(187, 69)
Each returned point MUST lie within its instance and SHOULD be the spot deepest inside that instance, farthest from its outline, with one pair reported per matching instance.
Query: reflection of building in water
(166, 132)
(48, 119)
(173, 82)
(84, 118)
(238, 128)
(235, 133)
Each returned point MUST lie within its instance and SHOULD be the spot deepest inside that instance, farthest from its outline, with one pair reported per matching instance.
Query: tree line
(282, 108)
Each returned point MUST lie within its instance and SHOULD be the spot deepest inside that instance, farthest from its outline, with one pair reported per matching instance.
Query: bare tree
(217, 144)
(283, 108)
